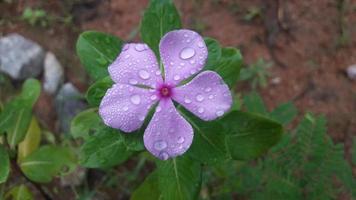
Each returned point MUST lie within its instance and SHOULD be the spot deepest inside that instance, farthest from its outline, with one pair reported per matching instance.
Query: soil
(302, 38)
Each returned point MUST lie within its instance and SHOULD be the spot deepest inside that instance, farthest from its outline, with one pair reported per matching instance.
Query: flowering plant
(133, 105)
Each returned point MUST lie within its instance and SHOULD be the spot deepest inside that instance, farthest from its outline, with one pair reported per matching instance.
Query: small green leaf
(4, 164)
(208, 145)
(20, 192)
(97, 91)
(160, 17)
(228, 66)
(47, 162)
(179, 178)
(32, 140)
(255, 104)
(284, 113)
(97, 51)
(31, 90)
(105, 149)
(85, 123)
(250, 135)
(148, 190)
(214, 53)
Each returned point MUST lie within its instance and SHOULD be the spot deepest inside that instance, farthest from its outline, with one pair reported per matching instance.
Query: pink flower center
(165, 91)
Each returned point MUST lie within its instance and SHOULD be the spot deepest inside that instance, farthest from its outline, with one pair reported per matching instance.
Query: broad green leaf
(97, 51)
(179, 178)
(148, 190)
(48, 162)
(32, 140)
(254, 103)
(31, 90)
(214, 53)
(85, 123)
(105, 149)
(4, 164)
(160, 17)
(250, 135)
(97, 91)
(228, 66)
(20, 192)
(208, 145)
(284, 113)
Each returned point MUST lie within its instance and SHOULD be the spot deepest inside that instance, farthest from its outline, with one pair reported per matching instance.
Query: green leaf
(4, 164)
(105, 149)
(284, 113)
(148, 190)
(208, 145)
(214, 53)
(97, 51)
(85, 123)
(250, 135)
(97, 91)
(179, 178)
(32, 140)
(255, 104)
(31, 90)
(160, 17)
(47, 162)
(20, 192)
(228, 66)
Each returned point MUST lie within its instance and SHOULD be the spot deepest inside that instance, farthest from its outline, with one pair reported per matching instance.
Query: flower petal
(125, 107)
(183, 53)
(136, 65)
(207, 96)
(168, 134)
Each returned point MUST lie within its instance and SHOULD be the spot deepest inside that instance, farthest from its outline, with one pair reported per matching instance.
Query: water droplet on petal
(200, 44)
(199, 97)
(192, 61)
(208, 89)
(180, 140)
(187, 53)
(211, 96)
(160, 145)
(200, 110)
(127, 56)
(158, 72)
(186, 100)
(163, 156)
(153, 97)
(140, 47)
(176, 77)
(144, 74)
(141, 118)
(219, 113)
(126, 46)
(158, 109)
(125, 108)
(135, 99)
(133, 81)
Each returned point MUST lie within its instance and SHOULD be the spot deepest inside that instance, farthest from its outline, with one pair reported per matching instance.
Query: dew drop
(133, 81)
(176, 77)
(140, 47)
(200, 44)
(219, 113)
(158, 109)
(163, 156)
(192, 61)
(211, 96)
(144, 74)
(160, 145)
(180, 140)
(125, 108)
(208, 89)
(126, 46)
(186, 100)
(200, 110)
(135, 99)
(141, 118)
(153, 97)
(127, 56)
(158, 72)
(187, 53)
(199, 97)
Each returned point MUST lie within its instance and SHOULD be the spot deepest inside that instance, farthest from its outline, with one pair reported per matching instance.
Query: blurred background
(299, 51)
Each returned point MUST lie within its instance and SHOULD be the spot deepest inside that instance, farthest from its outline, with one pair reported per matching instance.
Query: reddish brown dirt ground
(300, 37)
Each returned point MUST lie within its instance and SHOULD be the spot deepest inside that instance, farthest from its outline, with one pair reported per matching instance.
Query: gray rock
(68, 103)
(20, 58)
(53, 74)
(351, 72)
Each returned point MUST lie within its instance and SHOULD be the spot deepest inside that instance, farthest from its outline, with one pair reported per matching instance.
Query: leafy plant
(36, 17)
(256, 73)
(237, 136)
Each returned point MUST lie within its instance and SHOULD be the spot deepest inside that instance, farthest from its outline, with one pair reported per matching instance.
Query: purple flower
(140, 84)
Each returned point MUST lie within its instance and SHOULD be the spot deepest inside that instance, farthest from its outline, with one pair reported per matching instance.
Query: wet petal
(207, 96)
(136, 65)
(168, 134)
(183, 53)
(125, 107)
